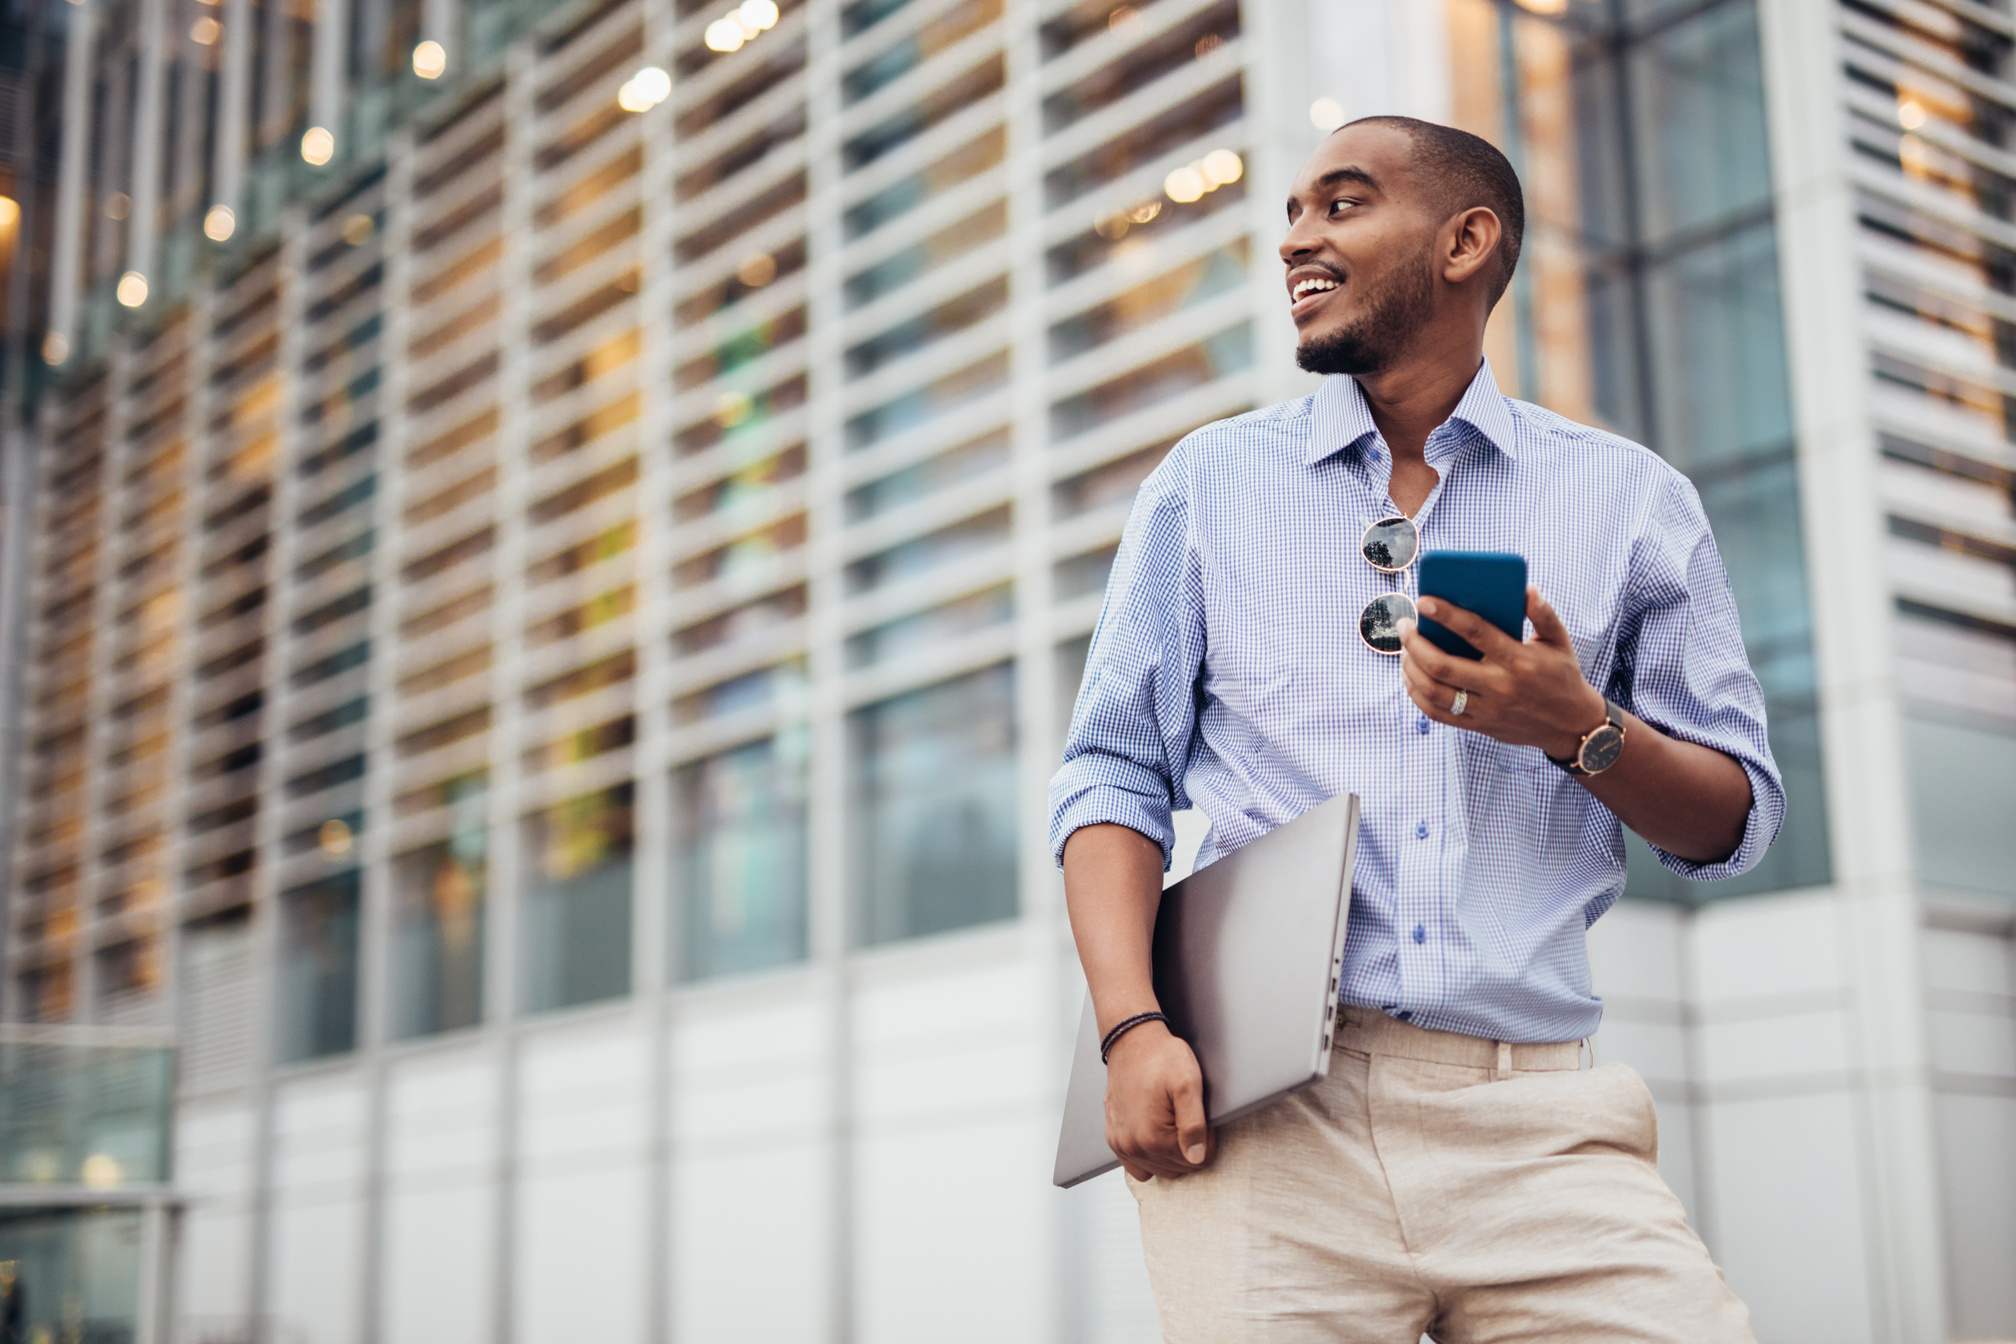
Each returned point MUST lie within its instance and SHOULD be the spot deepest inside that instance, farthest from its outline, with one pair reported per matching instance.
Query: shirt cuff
(1760, 828)
(1109, 803)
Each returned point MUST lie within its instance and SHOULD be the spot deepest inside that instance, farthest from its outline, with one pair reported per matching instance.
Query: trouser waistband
(1371, 1032)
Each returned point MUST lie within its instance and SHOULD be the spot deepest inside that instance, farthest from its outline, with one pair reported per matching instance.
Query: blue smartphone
(1490, 583)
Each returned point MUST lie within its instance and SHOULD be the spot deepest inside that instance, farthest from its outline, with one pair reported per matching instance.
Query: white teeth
(1312, 285)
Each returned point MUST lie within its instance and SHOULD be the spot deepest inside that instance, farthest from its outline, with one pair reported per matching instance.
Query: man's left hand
(1527, 694)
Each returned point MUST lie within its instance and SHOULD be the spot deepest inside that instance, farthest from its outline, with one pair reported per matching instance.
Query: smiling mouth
(1310, 285)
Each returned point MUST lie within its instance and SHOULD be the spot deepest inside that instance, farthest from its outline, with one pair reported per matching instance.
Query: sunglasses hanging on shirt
(1389, 546)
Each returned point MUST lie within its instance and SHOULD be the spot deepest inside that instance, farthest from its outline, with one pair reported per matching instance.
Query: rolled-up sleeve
(1137, 707)
(1683, 669)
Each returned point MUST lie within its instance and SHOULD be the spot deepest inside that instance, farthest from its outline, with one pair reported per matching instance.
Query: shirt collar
(1341, 419)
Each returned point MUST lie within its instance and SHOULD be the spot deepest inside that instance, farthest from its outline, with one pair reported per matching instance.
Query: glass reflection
(438, 944)
(934, 785)
(739, 853)
(576, 932)
(317, 988)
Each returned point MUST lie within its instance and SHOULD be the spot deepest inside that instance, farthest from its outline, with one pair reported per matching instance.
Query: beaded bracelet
(1125, 1025)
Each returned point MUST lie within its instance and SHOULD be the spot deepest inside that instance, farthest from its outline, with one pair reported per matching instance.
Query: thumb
(1547, 626)
(1191, 1132)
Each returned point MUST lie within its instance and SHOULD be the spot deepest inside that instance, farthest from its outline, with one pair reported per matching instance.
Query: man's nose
(1299, 242)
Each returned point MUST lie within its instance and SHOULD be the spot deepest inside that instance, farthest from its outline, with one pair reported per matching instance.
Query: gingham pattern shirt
(1227, 673)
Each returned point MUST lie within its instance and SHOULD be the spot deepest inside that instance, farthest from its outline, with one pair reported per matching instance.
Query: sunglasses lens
(1379, 627)
(1390, 544)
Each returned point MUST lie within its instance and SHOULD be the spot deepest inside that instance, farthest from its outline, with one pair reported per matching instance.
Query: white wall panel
(1970, 981)
(318, 1135)
(1788, 1216)
(213, 1150)
(213, 1261)
(439, 1253)
(318, 1212)
(317, 1257)
(1767, 945)
(1775, 1048)
(213, 1165)
(582, 1090)
(441, 1118)
(1114, 1303)
(580, 1265)
(955, 1224)
(750, 1245)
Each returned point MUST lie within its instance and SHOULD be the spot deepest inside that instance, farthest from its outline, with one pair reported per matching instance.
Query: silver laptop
(1247, 957)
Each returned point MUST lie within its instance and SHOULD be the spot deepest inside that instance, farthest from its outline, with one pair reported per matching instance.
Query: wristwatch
(1601, 745)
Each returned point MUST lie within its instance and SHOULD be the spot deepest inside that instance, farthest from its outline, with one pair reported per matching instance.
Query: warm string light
(205, 31)
(430, 59)
(1116, 224)
(318, 146)
(219, 223)
(132, 289)
(1221, 167)
(644, 90)
(741, 24)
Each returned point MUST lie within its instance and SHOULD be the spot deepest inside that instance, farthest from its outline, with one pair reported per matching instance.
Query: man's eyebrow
(1348, 173)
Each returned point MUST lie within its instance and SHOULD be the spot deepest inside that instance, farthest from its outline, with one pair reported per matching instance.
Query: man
(1458, 1172)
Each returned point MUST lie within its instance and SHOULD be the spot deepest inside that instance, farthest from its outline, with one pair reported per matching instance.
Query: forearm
(1687, 799)
(1113, 887)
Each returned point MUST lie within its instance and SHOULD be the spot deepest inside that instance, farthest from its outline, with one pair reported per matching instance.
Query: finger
(1416, 648)
(1483, 636)
(1424, 688)
(1548, 628)
(1191, 1132)
(1138, 1173)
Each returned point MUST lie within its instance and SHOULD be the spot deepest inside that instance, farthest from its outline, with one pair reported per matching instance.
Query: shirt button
(1420, 934)
(1421, 831)
(1421, 724)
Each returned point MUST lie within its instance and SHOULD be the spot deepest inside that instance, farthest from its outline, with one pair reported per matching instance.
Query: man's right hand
(1155, 1105)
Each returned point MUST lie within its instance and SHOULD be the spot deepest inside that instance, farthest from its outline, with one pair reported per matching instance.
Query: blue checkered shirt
(1227, 674)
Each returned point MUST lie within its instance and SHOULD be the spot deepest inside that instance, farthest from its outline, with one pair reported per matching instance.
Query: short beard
(1376, 340)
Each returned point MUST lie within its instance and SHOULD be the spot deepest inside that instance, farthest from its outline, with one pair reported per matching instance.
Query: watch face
(1602, 748)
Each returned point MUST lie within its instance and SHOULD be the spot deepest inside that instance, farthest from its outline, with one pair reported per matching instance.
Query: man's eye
(1335, 206)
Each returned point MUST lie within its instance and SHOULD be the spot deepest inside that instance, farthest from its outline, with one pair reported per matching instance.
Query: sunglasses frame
(1366, 639)
(1365, 543)
(1364, 547)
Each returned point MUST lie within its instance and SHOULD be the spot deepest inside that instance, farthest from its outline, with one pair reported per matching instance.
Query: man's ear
(1471, 243)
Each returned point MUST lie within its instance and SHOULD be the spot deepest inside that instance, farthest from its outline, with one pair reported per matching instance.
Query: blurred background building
(549, 551)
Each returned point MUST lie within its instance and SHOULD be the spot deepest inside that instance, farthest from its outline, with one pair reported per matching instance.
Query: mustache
(1329, 268)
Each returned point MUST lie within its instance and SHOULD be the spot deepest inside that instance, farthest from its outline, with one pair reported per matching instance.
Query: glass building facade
(564, 541)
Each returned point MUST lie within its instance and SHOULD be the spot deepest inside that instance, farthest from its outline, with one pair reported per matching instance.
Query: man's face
(1359, 252)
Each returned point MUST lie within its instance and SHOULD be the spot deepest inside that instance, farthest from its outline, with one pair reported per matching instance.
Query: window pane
(1717, 336)
(934, 843)
(739, 832)
(576, 930)
(1962, 778)
(1703, 148)
(318, 968)
(438, 948)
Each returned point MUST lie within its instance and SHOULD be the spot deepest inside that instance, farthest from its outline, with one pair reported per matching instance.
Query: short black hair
(1470, 172)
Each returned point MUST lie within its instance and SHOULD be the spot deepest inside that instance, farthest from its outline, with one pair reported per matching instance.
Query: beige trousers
(1443, 1184)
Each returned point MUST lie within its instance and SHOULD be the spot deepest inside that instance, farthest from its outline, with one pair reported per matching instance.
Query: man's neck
(1416, 397)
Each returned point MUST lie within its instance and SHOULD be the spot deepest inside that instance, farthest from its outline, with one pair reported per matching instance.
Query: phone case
(1490, 583)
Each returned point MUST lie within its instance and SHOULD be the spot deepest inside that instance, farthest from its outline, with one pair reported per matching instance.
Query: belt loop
(1504, 1062)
